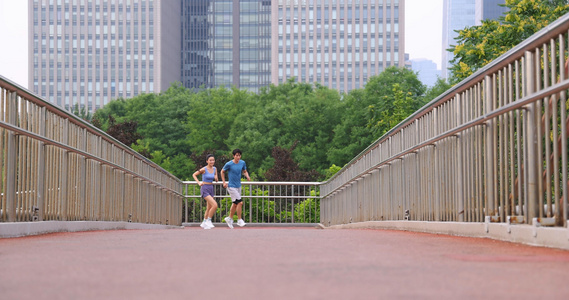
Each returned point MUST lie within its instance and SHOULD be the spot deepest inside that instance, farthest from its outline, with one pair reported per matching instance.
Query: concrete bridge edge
(20, 229)
(551, 237)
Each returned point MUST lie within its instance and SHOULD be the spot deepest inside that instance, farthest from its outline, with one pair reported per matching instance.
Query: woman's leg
(206, 208)
(211, 206)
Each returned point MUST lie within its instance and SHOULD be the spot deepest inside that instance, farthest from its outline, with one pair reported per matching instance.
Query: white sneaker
(241, 223)
(202, 225)
(229, 222)
(209, 224)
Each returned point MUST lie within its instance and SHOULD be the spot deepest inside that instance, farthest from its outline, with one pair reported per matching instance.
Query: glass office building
(226, 43)
(339, 44)
(457, 14)
(489, 9)
(196, 68)
(88, 52)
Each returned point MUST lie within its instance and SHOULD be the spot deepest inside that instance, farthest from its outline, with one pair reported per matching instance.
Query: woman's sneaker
(202, 225)
(209, 224)
(229, 222)
(241, 223)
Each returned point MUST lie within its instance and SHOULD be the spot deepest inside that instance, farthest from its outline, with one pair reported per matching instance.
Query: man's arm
(246, 175)
(223, 178)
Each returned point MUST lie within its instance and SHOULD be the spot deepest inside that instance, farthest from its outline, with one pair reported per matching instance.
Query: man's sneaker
(229, 222)
(209, 224)
(241, 223)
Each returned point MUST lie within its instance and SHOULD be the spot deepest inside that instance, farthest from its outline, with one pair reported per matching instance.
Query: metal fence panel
(495, 145)
(54, 166)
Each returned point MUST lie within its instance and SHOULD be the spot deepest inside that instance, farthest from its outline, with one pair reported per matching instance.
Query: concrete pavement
(276, 263)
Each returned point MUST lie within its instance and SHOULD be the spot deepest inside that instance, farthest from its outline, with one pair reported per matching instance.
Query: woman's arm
(195, 175)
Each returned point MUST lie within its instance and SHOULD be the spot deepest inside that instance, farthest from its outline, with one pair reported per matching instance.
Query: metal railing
(264, 202)
(55, 166)
(492, 147)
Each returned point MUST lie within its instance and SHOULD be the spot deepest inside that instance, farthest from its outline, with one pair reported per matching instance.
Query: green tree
(211, 115)
(478, 45)
(286, 169)
(82, 113)
(368, 113)
(384, 117)
(160, 133)
(161, 117)
(116, 108)
(126, 132)
(441, 86)
(280, 116)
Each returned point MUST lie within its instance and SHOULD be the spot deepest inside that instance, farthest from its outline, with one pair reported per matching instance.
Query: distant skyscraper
(226, 42)
(427, 71)
(489, 9)
(88, 52)
(338, 43)
(457, 14)
(197, 66)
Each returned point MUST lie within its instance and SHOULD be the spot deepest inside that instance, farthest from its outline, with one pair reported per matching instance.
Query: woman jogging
(209, 174)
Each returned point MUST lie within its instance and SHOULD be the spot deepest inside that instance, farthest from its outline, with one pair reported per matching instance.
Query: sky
(423, 35)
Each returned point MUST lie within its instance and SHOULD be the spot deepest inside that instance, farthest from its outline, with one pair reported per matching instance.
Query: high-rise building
(339, 44)
(88, 52)
(226, 43)
(427, 71)
(489, 10)
(459, 14)
(197, 66)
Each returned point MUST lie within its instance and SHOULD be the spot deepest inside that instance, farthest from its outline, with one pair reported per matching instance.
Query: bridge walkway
(276, 263)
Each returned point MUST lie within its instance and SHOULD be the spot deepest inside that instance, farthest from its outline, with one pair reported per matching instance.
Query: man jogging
(234, 169)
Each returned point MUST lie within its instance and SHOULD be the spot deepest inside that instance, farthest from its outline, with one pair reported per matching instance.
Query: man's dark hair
(237, 151)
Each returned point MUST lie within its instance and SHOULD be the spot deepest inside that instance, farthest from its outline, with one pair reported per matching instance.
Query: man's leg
(232, 210)
(239, 209)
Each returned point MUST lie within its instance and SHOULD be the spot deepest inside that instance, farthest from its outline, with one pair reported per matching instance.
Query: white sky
(423, 36)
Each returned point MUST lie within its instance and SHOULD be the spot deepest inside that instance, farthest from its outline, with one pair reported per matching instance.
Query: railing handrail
(267, 202)
(564, 85)
(551, 30)
(264, 183)
(54, 108)
(81, 152)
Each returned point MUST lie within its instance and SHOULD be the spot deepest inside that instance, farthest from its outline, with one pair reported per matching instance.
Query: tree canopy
(310, 128)
(476, 46)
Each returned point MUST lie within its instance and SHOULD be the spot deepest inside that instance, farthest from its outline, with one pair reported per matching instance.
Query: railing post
(41, 166)
(12, 157)
(460, 161)
(83, 183)
(490, 157)
(292, 200)
(531, 140)
(437, 180)
(64, 174)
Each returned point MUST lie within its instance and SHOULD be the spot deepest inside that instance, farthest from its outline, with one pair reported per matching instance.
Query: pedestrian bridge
(488, 158)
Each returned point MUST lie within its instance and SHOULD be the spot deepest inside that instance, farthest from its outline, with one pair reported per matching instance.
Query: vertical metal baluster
(490, 148)
(12, 156)
(539, 160)
(530, 141)
(563, 206)
(480, 146)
